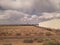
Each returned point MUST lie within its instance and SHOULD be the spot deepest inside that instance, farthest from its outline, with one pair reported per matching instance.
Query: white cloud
(18, 4)
(48, 5)
(13, 16)
(14, 10)
(25, 5)
(3, 16)
(50, 15)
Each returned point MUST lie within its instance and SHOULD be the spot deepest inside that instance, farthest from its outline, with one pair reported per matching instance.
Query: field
(28, 35)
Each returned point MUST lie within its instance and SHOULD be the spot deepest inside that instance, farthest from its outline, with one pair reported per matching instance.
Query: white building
(55, 23)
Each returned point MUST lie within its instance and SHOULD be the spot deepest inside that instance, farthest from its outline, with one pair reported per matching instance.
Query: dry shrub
(48, 34)
(51, 43)
(28, 40)
(18, 34)
(7, 44)
(39, 40)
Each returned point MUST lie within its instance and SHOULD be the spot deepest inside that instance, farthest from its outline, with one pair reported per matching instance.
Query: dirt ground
(24, 31)
(17, 42)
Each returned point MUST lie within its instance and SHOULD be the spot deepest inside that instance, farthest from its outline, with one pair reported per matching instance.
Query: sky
(28, 11)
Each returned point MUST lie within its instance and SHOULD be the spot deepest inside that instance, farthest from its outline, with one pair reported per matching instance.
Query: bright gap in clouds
(28, 11)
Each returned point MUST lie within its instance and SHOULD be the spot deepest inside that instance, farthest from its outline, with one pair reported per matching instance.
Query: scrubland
(29, 35)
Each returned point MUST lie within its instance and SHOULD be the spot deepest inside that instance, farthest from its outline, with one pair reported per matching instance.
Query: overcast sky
(28, 11)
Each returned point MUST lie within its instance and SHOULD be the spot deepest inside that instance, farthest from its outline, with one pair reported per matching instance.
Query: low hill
(54, 24)
(24, 30)
(22, 34)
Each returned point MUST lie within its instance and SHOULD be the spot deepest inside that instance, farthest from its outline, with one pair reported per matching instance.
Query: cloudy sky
(28, 11)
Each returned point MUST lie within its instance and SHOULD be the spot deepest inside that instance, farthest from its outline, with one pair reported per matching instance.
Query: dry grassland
(33, 32)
